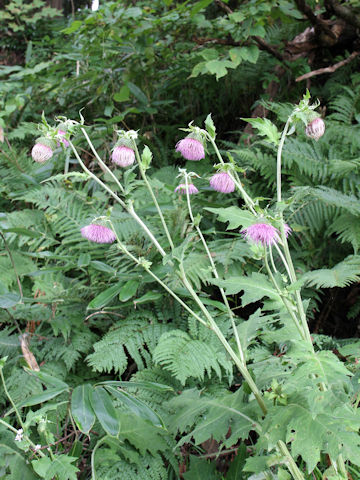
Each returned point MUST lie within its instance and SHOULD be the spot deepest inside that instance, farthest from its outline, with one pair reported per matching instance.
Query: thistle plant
(263, 227)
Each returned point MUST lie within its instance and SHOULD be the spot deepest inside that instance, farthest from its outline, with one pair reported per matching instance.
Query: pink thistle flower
(182, 189)
(190, 148)
(315, 129)
(123, 156)
(41, 153)
(287, 230)
(222, 182)
(63, 141)
(262, 233)
(98, 233)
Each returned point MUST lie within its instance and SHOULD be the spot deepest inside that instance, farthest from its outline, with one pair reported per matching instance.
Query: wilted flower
(63, 141)
(222, 182)
(191, 148)
(19, 435)
(98, 233)
(41, 153)
(37, 447)
(263, 233)
(315, 129)
(182, 189)
(123, 156)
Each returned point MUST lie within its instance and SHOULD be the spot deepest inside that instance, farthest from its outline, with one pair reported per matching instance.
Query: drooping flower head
(98, 233)
(182, 189)
(123, 153)
(315, 129)
(191, 148)
(43, 149)
(222, 182)
(123, 156)
(263, 233)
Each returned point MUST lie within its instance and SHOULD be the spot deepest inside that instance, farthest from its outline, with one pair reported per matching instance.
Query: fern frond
(185, 357)
(343, 274)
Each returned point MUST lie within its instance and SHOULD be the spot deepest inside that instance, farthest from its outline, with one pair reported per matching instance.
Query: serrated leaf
(234, 215)
(265, 128)
(200, 469)
(255, 287)
(210, 127)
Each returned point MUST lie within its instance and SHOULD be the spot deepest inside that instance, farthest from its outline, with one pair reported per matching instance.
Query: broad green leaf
(102, 267)
(122, 95)
(128, 290)
(234, 215)
(148, 297)
(236, 56)
(250, 54)
(47, 379)
(199, 6)
(255, 287)
(81, 408)
(42, 397)
(138, 93)
(137, 406)
(237, 465)
(73, 27)
(105, 411)
(23, 231)
(218, 67)
(84, 260)
(105, 297)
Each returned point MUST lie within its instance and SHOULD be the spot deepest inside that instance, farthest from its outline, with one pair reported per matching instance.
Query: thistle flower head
(42, 150)
(62, 130)
(98, 233)
(123, 156)
(190, 148)
(222, 182)
(182, 189)
(315, 129)
(287, 230)
(263, 233)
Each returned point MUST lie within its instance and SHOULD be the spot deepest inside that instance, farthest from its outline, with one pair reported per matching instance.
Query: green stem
(11, 400)
(129, 209)
(285, 301)
(104, 166)
(216, 275)
(155, 277)
(242, 368)
(100, 442)
(288, 258)
(147, 183)
(293, 468)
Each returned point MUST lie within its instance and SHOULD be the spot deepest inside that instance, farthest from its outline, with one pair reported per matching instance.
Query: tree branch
(330, 69)
(343, 12)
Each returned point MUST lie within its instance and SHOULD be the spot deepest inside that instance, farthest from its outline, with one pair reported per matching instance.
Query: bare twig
(330, 69)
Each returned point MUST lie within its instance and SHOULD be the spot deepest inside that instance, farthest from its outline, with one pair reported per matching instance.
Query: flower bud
(190, 148)
(63, 141)
(182, 189)
(315, 129)
(123, 156)
(222, 182)
(42, 150)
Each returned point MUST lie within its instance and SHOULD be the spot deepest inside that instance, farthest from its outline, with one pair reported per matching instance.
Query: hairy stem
(216, 275)
(147, 183)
